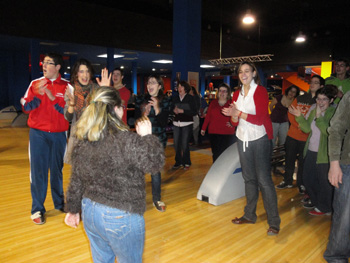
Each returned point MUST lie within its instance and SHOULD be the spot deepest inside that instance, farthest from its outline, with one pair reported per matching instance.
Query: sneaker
(317, 212)
(38, 218)
(308, 205)
(283, 185)
(177, 166)
(160, 206)
(187, 166)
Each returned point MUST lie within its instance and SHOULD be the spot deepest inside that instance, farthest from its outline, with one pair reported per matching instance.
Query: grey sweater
(339, 135)
(112, 170)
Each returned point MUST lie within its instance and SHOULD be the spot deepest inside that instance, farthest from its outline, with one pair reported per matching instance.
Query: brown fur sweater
(112, 170)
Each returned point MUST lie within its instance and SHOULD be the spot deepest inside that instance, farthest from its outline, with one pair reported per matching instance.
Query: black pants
(220, 142)
(294, 151)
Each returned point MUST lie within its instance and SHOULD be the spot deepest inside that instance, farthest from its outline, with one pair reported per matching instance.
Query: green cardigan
(322, 123)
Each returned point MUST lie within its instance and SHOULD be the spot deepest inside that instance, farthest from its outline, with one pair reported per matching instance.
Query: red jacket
(216, 120)
(262, 117)
(44, 114)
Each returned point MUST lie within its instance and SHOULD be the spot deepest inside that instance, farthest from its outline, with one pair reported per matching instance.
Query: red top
(216, 120)
(125, 96)
(262, 116)
(44, 114)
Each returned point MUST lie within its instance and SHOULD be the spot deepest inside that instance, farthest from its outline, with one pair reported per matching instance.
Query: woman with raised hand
(107, 184)
(249, 112)
(78, 96)
(316, 160)
(156, 106)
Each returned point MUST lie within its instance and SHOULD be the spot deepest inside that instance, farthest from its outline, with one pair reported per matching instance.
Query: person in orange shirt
(296, 138)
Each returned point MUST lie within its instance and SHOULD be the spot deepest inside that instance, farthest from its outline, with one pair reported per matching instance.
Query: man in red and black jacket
(44, 101)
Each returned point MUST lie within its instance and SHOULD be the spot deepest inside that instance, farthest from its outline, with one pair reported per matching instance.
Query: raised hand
(105, 79)
(294, 110)
(143, 126)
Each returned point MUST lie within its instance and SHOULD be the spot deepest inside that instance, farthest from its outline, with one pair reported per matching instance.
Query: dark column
(186, 38)
(134, 77)
(35, 58)
(110, 59)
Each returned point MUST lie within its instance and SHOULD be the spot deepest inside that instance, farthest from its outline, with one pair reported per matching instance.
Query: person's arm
(70, 103)
(272, 104)
(164, 111)
(31, 100)
(323, 122)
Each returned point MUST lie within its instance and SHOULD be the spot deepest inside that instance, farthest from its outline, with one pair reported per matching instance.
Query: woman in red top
(221, 132)
(249, 112)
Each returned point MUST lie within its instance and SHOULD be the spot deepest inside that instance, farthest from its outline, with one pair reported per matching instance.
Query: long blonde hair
(99, 114)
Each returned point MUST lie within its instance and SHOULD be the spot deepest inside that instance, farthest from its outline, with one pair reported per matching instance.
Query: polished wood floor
(189, 231)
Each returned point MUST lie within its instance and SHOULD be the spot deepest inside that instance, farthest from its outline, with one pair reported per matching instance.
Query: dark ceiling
(146, 26)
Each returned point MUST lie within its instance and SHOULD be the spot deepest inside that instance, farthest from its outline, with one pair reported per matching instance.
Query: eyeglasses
(324, 99)
(152, 83)
(48, 63)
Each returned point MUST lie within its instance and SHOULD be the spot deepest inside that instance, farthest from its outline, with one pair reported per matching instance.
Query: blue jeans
(113, 233)
(181, 140)
(256, 172)
(338, 248)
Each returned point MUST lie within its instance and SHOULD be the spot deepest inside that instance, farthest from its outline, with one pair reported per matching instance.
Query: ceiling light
(300, 38)
(207, 66)
(115, 56)
(163, 61)
(121, 67)
(248, 18)
(153, 69)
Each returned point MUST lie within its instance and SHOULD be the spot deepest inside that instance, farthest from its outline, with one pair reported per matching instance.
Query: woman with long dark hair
(156, 106)
(249, 112)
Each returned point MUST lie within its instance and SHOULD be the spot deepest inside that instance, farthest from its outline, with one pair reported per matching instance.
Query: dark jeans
(256, 171)
(316, 182)
(181, 140)
(156, 186)
(294, 151)
(338, 248)
(220, 142)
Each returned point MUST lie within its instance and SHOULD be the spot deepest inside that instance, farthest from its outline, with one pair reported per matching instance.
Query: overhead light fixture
(121, 67)
(115, 56)
(207, 66)
(248, 18)
(300, 38)
(163, 61)
(153, 69)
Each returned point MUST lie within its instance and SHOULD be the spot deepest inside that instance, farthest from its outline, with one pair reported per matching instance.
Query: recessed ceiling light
(248, 18)
(207, 66)
(153, 69)
(115, 56)
(122, 67)
(163, 61)
(300, 38)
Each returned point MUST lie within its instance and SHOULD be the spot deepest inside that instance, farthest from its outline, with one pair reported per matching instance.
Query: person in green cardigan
(316, 163)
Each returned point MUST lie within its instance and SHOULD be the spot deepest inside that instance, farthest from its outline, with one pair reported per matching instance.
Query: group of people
(109, 161)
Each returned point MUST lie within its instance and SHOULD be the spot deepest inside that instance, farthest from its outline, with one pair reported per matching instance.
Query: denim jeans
(113, 233)
(280, 131)
(338, 248)
(294, 150)
(156, 186)
(256, 171)
(182, 137)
